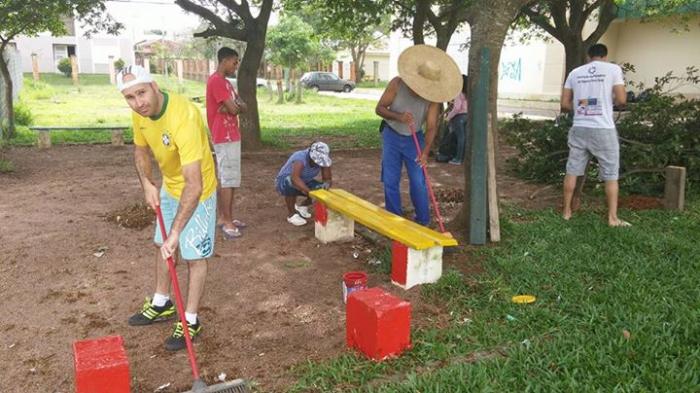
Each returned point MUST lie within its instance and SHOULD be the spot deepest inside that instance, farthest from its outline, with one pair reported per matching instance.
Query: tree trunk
(280, 91)
(247, 74)
(418, 28)
(355, 55)
(9, 105)
(489, 27)
(443, 38)
(575, 54)
(360, 63)
(299, 88)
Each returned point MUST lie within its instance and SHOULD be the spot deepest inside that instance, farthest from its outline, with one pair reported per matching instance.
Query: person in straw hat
(411, 103)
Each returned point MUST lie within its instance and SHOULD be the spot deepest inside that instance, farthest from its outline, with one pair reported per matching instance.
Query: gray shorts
(601, 143)
(228, 164)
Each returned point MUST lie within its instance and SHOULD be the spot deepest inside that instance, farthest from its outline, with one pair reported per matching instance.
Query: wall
(383, 59)
(43, 47)
(654, 49)
(92, 53)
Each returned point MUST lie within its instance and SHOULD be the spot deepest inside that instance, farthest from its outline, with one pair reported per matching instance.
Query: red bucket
(353, 281)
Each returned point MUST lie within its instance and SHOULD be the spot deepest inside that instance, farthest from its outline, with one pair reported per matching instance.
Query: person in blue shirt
(297, 177)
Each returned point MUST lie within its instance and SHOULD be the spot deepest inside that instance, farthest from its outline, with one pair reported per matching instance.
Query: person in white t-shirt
(589, 91)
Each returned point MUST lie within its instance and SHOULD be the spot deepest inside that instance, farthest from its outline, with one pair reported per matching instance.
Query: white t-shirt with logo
(592, 84)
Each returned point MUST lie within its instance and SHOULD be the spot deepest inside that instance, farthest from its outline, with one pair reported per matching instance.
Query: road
(535, 110)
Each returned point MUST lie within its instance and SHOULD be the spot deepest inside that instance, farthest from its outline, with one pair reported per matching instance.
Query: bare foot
(566, 215)
(618, 223)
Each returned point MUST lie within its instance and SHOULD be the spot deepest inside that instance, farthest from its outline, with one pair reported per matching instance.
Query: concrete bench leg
(331, 226)
(118, 137)
(674, 190)
(44, 140)
(411, 267)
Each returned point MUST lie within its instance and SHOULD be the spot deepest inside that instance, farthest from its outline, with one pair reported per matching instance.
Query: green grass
(592, 283)
(371, 84)
(55, 101)
(6, 166)
(345, 123)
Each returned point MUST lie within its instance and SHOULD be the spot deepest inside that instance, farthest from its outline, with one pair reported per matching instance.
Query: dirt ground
(273, 298)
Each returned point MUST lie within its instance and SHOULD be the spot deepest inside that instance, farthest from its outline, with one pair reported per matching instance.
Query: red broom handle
(178, 299)
(412, 127)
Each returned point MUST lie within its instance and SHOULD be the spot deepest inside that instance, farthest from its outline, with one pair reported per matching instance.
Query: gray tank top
(405, 101)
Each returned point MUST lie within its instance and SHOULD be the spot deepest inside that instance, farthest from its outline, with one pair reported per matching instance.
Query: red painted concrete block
(101, 366)
(378, 324)
(399, 262)
(320, 213)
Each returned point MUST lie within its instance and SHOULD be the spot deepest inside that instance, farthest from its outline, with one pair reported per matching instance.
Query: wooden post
(376, 72)
(35, 66)
(353, 75)
(180, 75)
(44, 140)
(494, 216)
(674, 190)
(112, 71)
(118, 137)
(212, 68)
(340, 69)
(147, 64)
(280, 90)
(478, 165)
(74, 69)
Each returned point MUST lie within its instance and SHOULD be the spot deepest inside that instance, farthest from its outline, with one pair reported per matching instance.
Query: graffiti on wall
(511, 70)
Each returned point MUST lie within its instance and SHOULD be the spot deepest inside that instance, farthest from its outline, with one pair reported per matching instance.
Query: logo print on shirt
(591, 70)
(166, 138)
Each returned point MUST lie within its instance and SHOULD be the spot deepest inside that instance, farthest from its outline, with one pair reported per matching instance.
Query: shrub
(65, 67)
(23, 115)
(660, 130)
(38, 90)
(119, 64)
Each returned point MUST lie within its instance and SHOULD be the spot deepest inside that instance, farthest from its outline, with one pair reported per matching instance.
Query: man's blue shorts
(197, 239)
(286, 188)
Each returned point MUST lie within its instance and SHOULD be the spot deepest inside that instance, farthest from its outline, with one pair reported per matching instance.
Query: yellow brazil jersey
(177, 137)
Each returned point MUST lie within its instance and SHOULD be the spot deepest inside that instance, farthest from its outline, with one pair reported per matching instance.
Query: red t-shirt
(223, 126)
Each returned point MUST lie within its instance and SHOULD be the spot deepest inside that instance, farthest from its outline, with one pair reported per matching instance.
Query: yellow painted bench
(416, 250)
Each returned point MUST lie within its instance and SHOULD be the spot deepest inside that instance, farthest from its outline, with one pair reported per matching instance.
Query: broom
(198, 386)
(412, 127)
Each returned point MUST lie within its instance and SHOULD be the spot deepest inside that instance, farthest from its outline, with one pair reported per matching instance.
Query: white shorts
(602, 143)
(228, 164)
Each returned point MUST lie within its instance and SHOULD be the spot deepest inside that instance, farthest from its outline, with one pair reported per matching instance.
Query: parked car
(326, 81)
(259, 82)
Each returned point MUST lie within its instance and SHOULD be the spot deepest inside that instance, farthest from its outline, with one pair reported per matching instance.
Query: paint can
(353, 281)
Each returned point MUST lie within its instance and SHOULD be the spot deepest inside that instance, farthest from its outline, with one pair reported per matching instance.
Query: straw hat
(430, 72)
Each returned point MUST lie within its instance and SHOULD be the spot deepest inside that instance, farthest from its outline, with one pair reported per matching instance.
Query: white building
(93, 54)
(536, 70)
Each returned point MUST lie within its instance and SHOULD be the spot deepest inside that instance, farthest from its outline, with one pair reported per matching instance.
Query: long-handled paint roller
(198, 386)
(412, 127)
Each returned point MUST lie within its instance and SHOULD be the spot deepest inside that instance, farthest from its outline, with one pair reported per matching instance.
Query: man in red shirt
(223, 107)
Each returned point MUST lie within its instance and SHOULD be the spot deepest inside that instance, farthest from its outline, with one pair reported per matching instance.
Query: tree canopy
(355, 31)
(290, 43)
(237, 20)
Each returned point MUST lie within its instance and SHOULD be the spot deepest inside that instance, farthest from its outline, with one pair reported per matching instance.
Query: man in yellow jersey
(172, 129)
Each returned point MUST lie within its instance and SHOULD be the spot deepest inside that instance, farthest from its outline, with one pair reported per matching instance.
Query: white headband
(141, 75)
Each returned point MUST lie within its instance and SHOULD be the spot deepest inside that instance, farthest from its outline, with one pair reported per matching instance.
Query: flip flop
(230, 234)
(621, 224)
(239, 224)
